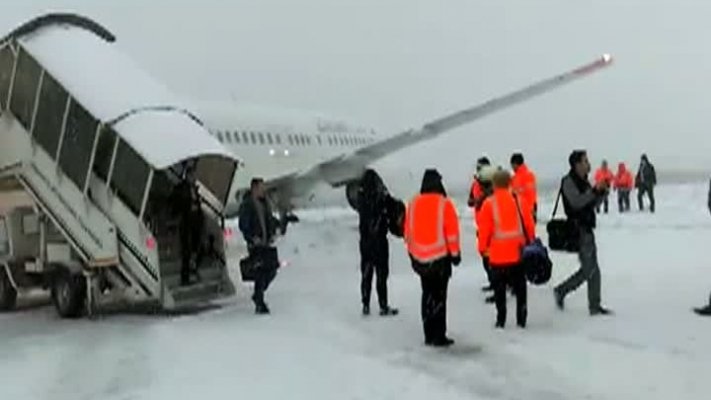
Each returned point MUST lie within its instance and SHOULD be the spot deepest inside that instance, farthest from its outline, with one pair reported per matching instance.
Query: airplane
(295, 153)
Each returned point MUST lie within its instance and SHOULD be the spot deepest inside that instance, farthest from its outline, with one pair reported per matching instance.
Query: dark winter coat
(709, 197)
(646, 175)
(373, 208)
(432, 183)
(579, 200)
(250, 224)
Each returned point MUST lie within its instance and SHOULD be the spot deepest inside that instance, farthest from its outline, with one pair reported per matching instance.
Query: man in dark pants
(258, 226)
(374, 222)
(431, 232)
(646, 181)
(706, 310)
(186, 201)
(579, 202)
(507, 225)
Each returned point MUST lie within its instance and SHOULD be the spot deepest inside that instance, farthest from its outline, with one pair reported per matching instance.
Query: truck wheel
(68, 293)
(8, 294)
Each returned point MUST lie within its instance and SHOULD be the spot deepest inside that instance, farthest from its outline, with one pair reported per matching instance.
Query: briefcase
(563, 235)
(258, 259)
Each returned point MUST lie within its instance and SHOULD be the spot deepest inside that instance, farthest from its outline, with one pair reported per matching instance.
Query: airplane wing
(349, 167)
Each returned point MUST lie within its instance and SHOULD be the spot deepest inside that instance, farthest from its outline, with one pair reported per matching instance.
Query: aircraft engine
(352, 189)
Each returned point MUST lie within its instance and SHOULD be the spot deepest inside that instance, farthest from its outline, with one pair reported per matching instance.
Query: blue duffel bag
(537, 263)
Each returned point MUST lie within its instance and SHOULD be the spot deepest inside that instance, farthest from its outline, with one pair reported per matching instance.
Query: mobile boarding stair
(97, 227)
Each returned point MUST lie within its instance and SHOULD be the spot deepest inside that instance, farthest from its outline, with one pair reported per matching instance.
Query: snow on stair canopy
(116, 91)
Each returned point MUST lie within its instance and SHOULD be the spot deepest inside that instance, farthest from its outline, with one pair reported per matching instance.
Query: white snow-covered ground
(315, 345)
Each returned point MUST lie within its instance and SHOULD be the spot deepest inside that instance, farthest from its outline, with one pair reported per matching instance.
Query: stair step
(201, 292)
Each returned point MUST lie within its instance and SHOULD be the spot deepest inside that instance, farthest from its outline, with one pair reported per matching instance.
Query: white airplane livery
(295, 153)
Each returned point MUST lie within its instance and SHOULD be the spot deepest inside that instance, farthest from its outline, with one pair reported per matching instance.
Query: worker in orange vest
(507, 225)
(431, 232)
(623, 184)
(603, 174)
(480, 190)
(523, 183)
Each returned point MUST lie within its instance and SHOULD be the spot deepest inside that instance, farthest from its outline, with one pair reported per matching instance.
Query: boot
(559, 299)
(388, 311)
(442, 342)
(366, 309)
(705, 311)
(261, 309)
(600, 310)
(487, 288)
(490, 300)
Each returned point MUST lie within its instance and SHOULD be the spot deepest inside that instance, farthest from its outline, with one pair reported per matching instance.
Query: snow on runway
(316, 345)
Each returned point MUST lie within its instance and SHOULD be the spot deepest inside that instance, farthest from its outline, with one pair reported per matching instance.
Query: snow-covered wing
(349, 167)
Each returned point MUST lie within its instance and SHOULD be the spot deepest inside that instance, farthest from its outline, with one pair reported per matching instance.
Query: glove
(456, 260)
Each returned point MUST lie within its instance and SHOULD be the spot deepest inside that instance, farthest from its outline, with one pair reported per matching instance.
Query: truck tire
(8, 294)
(68, 293)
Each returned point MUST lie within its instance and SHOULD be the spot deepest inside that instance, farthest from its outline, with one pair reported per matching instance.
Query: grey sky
(397, 63)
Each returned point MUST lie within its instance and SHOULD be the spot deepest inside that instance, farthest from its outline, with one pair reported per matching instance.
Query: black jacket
(250, 225)
(373, 207)
(646, 176)
(709, 198)
(579, 200)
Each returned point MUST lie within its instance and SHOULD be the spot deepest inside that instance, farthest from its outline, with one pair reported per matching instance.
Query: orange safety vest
(431, 228)
(523, 184)
(503, 230)
(603, 175)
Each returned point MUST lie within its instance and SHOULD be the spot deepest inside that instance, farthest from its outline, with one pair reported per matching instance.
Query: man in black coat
(259, 227)
(645, 181)
(186, 204)
(706, 310)
(375, 208)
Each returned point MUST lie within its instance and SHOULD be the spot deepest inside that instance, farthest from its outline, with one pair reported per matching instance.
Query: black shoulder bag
(562, 233)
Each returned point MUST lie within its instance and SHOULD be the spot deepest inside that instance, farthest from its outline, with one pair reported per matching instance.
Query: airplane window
(278, 138)
(236, 135)
(270, 140)
(319, 139)
(330, 141)
(228, 137)
(300, 139)
(308, 140)
(245, 137)
(219, 136)
(261, 138)
(253, 136)
(291, 140)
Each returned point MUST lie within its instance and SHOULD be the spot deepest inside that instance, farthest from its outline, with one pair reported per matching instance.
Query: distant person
(374, 249)
(603, 174)
(481, 189)
(507, 225)
(579, 202)
(523, 183)
(259, 228)
(623, 183)
(186, 203)
(431, 232)
(706, 310)
(645, 182)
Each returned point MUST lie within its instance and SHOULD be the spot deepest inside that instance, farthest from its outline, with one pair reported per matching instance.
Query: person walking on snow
(579, 202)
(706, 310)
(374, 248)
(507, 225)
(603, 174)
(645, 182)
(623, 183)
(431, 232)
